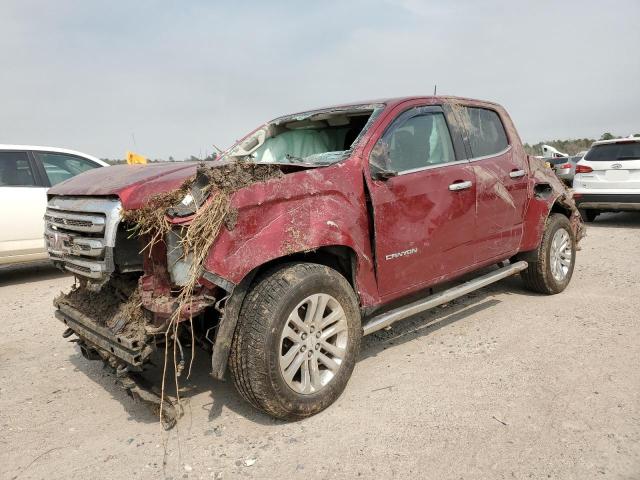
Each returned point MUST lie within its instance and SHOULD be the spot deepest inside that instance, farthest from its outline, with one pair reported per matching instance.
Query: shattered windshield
(315, 139)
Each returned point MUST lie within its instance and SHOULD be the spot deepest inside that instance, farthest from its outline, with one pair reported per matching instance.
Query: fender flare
(228, 322)
(543, 203)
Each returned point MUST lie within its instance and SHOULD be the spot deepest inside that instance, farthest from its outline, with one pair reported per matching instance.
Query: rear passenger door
(501, 176)
(23, 197)
(423, 197)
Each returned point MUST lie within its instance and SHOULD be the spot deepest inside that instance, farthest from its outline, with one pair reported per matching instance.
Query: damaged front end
(124, 321)
(142, 293)
(113, 325)
(143, 251)
(125, 324)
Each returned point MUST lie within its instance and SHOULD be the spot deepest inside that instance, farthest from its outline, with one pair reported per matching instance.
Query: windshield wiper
(628, 158)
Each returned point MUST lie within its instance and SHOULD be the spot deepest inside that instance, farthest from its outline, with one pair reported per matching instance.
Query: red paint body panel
(298, 212)
(422, 228)
(501, 202)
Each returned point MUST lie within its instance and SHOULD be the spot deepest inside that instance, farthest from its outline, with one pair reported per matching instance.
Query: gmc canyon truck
(380, 210)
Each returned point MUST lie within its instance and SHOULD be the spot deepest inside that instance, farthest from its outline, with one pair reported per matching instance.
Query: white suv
(608, 178)
(26, 173)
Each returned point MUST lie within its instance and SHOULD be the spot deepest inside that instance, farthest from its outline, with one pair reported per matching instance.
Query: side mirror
(379, 162)
(382, 174)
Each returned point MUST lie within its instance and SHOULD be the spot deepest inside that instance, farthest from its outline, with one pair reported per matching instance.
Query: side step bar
(385, 319)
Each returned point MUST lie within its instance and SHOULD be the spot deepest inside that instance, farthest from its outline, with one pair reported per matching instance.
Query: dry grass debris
(198, 235)
(150, 221)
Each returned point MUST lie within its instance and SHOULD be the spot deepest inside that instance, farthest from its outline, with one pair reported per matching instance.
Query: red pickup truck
(366, 214)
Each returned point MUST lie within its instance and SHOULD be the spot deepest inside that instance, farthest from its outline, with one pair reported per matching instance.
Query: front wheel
(297, 339)
(552, 268)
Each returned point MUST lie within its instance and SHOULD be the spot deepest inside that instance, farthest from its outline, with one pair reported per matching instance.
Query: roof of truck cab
(40, 148)
(396, 100)
(388, 102)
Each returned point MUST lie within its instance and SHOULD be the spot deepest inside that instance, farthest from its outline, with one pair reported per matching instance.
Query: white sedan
(26, 173)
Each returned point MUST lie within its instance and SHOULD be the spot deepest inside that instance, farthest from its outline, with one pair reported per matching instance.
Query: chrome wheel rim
(313, 343)
(561, 254)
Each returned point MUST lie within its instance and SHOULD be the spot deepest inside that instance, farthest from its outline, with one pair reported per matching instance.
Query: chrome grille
(75, 222)
(80, 234)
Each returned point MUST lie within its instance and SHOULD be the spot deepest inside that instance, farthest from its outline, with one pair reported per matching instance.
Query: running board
(385, 319)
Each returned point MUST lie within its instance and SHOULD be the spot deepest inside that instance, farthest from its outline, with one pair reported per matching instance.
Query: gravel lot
(500, 384)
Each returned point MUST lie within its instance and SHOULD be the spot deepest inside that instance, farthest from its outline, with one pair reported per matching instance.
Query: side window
(415, 142)
(15, 170)
(60, 167)
(486, 132)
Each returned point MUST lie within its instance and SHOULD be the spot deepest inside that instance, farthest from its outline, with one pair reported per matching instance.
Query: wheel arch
(559, 207)
(545, 203)
(341, 258)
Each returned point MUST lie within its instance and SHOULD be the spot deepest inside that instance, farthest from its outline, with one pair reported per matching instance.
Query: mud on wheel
(297, 339)
(555, 258)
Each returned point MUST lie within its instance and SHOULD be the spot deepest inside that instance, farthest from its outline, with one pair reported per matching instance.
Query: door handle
(457, 186)
(517, 173)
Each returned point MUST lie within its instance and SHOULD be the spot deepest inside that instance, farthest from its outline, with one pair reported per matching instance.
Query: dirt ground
(500, 384)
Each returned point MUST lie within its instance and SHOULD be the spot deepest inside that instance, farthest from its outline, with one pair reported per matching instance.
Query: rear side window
(60, 167)
(15, 170)
(486, 132)
(614, 151)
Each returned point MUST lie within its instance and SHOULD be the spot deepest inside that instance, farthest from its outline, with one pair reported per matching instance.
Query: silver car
(565, 167)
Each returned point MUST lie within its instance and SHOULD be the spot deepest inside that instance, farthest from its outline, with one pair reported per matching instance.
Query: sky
(173, 78)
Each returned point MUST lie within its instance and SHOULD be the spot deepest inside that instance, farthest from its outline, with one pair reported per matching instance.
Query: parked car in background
(565, 167)
(608, 178)
(26, 173)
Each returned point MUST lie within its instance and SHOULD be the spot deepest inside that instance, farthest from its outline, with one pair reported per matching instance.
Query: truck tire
(588, 215)
(297, 339)
(552, 268)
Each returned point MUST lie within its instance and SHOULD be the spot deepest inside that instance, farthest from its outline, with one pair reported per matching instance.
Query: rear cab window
(629, 150)
(15, 170)
(487, 135)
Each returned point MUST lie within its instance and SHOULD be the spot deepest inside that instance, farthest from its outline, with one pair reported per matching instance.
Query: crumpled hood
(133, 184)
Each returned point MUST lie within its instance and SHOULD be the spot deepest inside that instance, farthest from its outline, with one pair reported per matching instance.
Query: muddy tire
(588, 215)
(297, 339)
(551, 271)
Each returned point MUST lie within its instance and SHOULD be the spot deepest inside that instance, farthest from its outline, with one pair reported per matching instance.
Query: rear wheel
(296, 342)
(588, 215)
(552, 268)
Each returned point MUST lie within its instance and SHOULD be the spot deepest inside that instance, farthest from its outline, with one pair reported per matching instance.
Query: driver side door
(424, 202)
